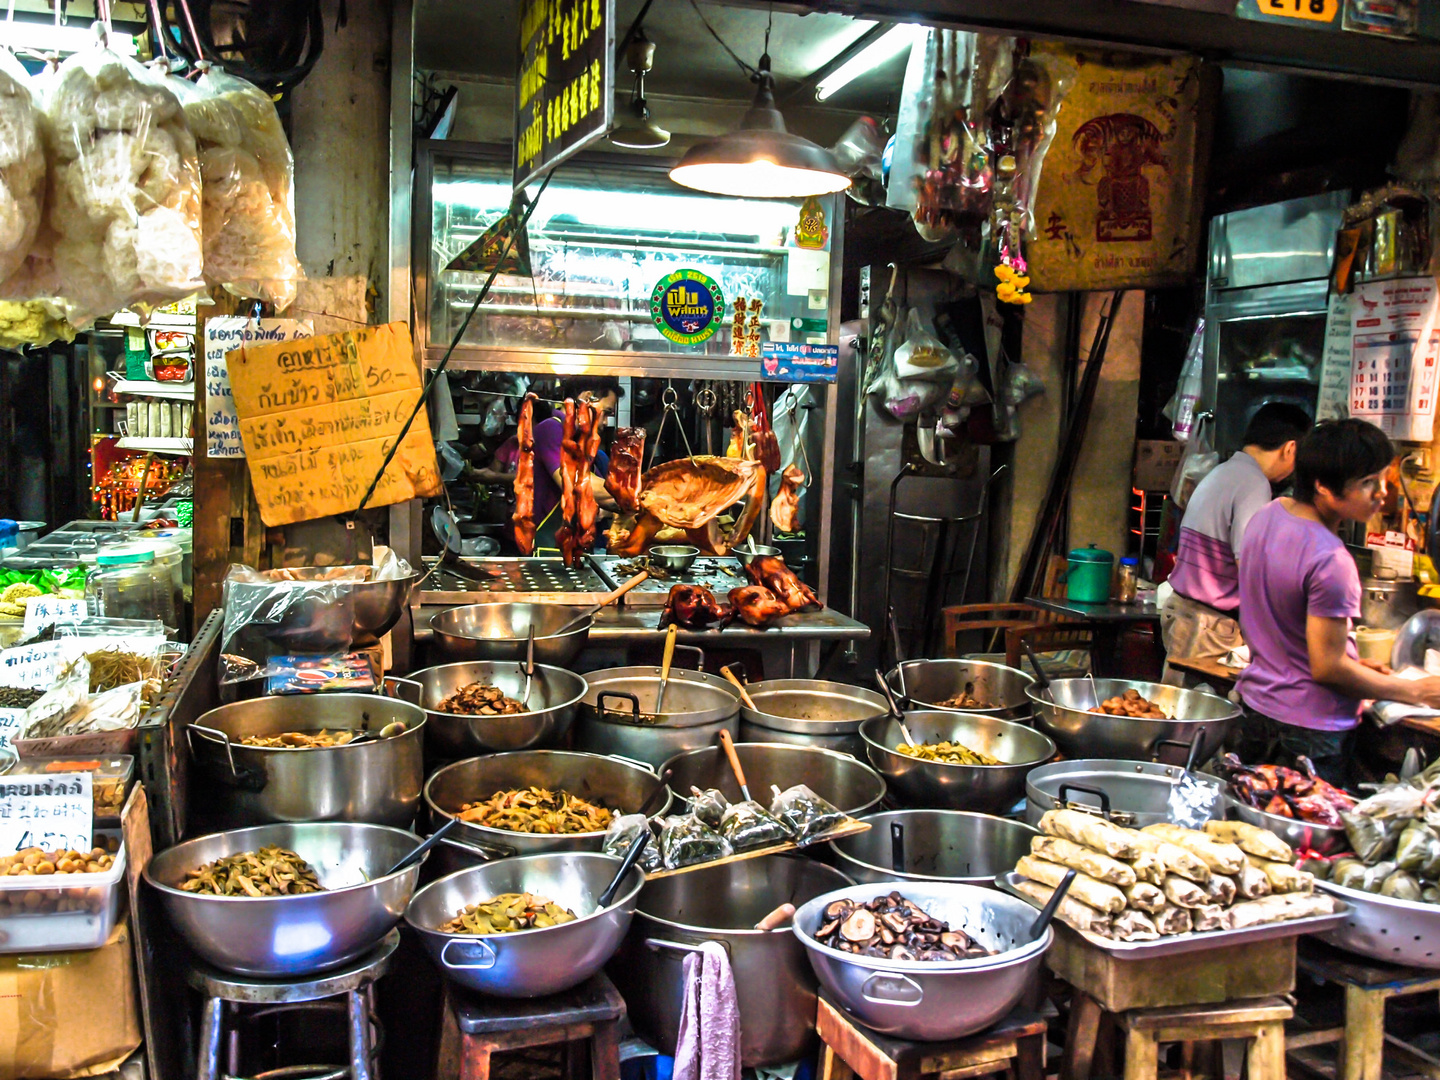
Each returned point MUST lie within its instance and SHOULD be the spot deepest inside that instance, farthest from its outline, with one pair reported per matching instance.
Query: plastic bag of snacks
(248, 175)
(686, 840)
(624, 831)
(747, 826)
(708, 805)
(803, 812)
(125, 186)
(22, 165)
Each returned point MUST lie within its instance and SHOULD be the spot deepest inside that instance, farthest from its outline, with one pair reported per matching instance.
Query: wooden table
(1109, 619)
(1221, 676)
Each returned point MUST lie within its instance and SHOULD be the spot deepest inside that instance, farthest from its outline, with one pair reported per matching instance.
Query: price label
(30, 666)
(41, 611)
(50, 812)
(1310, 10)
(10, 721)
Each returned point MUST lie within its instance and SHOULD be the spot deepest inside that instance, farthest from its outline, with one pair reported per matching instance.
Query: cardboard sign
(223, 334)
(788, 362)
(29, 666)
(1395, 347)
(317, 417)
(41, 611)
(56, 813)
(1334, 399)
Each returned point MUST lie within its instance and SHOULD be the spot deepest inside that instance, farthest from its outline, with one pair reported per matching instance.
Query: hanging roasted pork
(627, 453)
(579, 443)
(524, 516)
(785, 507)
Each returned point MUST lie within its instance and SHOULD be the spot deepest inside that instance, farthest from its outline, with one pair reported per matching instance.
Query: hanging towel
(708, 1046)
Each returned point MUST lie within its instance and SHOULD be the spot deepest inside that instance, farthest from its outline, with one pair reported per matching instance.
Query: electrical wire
(750, 70)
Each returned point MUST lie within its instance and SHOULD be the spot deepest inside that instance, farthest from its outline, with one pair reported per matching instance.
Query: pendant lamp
(761, 159)
(636, 131)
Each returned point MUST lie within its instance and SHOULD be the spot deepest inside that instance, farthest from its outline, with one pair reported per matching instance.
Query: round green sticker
(687, 307)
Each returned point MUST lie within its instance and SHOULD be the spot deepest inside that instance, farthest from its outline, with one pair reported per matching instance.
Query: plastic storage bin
(112, 775)
(59, 912)
(129, 582)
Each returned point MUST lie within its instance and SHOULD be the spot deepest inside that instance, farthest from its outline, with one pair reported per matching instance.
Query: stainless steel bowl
(676, 558)
(289, 936)
(1137, 793)
(774, 985)
(616, 784)
(1062, 712)
(936, 845)
(747, 555)
(847, 784)
(987, 788)
(1300, 835)
(924, 1000)
(376, 781)
(1383, 928)
(1001, 689)
(528, 963)
(554, 696)
(698, 707)
(340, 616)
(499, 632)
(809, 712)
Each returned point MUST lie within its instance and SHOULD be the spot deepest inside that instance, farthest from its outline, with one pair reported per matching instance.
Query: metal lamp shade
(637, 131)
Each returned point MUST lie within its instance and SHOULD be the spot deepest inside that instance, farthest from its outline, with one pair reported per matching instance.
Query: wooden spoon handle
(779, 917)
(728, 744)
(740, 686)
(670, 635)
(610, 598)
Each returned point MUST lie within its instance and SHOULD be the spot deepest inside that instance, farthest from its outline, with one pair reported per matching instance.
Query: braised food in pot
(1130, 704)
(479, 699)
(507, 913)
(947, 753)
(966, 699)
(894, 928)
(271, 871)
(300, 740)
(536, 810)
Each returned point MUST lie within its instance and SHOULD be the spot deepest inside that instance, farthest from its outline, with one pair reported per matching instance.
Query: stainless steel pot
(928, 1000)
(1062, 712)
(1133, 793)
(376, 781)
(847, 784)
(1300, 835)
(500, 632)
(528, 963)
(809, 712)
(1001, 689)
(774, 985)
(697, 708)
(934, 845)
(618, 785)
(987, 788)
(289, 936)
(1387, 603)
(554, 695)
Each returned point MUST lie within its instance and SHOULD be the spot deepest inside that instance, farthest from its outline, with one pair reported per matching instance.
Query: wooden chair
(1047, 633)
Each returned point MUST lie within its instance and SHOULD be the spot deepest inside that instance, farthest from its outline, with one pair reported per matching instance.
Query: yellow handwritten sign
(318, 416)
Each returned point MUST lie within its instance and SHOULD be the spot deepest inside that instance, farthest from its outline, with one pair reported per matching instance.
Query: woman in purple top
(1299, 589)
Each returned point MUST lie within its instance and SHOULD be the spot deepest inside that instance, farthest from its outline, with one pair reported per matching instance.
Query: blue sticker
(783, 361)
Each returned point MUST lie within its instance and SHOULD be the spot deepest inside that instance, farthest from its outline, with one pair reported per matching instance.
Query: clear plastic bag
(1200, 458)
(248, 173)
(269, 615)
(22, 166)
(62, 702)
(125, 188)
(686, 840)
(624, 831)
(805, 814)
(708, 805)
(746, 826)
(1180, 409)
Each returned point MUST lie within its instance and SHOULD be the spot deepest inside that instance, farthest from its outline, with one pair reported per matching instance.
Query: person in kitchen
(1299, 591)
(605, 394)
(1198, 616)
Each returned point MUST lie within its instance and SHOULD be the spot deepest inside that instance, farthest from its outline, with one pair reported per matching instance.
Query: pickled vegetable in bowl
(947, 753)
(271, 871)
(536, 810)
(507, 914)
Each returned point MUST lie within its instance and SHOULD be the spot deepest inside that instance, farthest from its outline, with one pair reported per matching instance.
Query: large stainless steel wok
(1000, 689)
(809, 712)
(500, 632)
(1062, 711)
(849, 785)
(554, 695)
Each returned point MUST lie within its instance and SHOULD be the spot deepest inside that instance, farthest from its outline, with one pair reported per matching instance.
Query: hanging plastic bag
(920, 372)
(1180, 409)
(1199, 459)
(125, 206)
(249, 189)
(22, 165)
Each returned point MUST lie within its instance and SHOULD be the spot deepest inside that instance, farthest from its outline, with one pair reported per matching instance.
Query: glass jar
(128, 583)
(1128, 580)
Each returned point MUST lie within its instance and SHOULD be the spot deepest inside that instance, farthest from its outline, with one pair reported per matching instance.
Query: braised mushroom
(895, 928)
(859, 926)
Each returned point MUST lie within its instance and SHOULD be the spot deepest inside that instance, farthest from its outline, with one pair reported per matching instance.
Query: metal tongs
(529, 666)
(894, 708)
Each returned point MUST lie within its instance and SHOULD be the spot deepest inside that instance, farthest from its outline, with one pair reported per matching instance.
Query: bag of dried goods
(248, 175)
(22, 165)
(125, 188)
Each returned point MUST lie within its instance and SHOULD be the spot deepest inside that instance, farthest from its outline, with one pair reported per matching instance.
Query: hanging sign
(1333, 402)
(565, 85)
(1395, 347)
(318, 416)
(56, 813)
(224, 333)
(687, 307)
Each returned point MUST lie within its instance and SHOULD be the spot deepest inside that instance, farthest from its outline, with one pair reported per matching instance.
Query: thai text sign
(56, 813)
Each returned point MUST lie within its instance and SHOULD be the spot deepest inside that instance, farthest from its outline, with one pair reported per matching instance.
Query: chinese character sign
(565, 85)
(1395, 345)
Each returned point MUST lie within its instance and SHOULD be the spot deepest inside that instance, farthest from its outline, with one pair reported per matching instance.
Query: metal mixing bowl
(849, 785)
(1300, 835)
(987, 788)
(676, 558)
(809, 712)
(747, 555)
(554, 696)
(528, 963)
(339, 616)
(289, 936)
(499, 632)
(1062, 712)
(936, 845)
(932, 1000)
(1000, 689)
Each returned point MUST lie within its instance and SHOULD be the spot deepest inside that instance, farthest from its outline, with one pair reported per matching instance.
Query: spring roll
(1174, 920)
(1149, 867)
(1146, 897)
(1134, 926)
(1221, 889)
(1251, 839)
(1100, 867)
(1183, 893)
(1277, 908)
(1086, 889)
(1071, 912)
(1283, 877)
(1177, 860)
(1208, 917)
(1251, 883)
(1220, 858)
(1086, 829)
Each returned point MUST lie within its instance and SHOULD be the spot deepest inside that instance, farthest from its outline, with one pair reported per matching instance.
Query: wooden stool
(474, 1027)
(1261, 1021)
(1016, 1045)
(1368, 985)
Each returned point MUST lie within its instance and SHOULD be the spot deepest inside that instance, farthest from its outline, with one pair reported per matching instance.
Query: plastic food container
(1088, 580)
(130, 582)
(112, 777)
(67, 911)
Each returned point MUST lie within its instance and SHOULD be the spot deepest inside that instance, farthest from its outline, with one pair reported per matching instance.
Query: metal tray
(1178, 944)
(516, 580)
(716, 573)
(1382, 928)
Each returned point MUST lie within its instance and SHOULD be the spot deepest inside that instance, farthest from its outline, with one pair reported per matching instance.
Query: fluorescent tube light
(892, 43)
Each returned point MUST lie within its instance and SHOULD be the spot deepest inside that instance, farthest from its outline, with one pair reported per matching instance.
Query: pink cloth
(708, 1045)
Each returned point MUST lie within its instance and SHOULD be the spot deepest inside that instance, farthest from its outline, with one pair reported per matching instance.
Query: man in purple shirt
(1299, 589)
(1198, 618)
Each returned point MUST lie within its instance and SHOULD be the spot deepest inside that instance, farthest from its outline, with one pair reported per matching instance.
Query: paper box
(1155, 463)
(69, 1014)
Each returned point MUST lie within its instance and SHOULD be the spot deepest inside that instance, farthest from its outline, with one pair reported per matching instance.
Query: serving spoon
(894, 708)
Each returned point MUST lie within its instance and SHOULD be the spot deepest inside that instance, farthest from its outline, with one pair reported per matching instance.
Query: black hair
(597, 385)
(1274, 424)
(1336, 453)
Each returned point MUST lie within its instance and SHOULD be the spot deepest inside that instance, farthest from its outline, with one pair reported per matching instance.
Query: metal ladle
(529, 666)
(1037, 928)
